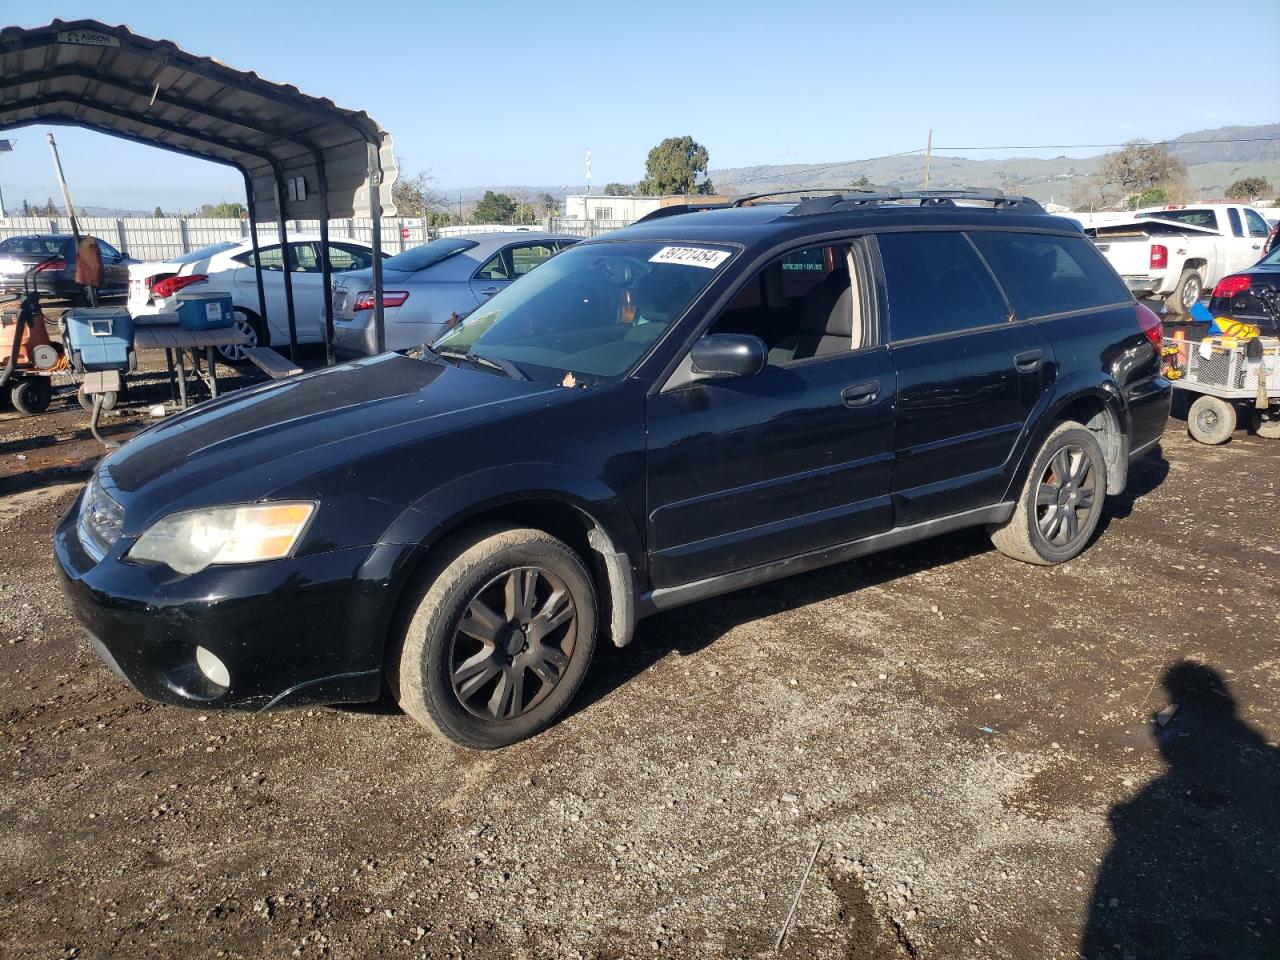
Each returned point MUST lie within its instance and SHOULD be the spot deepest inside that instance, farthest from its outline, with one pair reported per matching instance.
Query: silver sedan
(425, 289)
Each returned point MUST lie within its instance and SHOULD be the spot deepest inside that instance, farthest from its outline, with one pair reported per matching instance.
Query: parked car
(692, 405)
(1175, 253)
(425, 287)
(57, 278)
(1239, 296)
(228, 267)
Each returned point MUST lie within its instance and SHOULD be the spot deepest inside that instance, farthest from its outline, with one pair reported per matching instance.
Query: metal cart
(1232, 378)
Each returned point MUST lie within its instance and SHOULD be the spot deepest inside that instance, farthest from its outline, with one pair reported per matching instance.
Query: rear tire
(1061, 501)
(1186, 294)
(251, 325)
(86, 399)
(1266, 424)
(31, 395)
(499, 640)
(1211, 420)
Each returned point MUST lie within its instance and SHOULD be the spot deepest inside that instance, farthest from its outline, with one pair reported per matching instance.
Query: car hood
(253, 443)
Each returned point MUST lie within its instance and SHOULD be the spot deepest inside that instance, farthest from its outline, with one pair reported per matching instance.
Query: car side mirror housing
(721, 355)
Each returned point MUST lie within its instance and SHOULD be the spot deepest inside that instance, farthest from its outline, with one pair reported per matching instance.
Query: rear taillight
(1159, 256)
(1150, 324)
(167, 287)
(52, 265)
(1230, 286)
(390, 298)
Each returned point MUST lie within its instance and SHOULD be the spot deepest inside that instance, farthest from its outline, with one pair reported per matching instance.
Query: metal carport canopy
(301, 156)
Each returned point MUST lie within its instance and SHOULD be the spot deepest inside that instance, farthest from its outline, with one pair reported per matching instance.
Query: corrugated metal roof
(88, 74)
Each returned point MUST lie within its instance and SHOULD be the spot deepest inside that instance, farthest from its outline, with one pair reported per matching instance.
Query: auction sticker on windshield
(691, 256)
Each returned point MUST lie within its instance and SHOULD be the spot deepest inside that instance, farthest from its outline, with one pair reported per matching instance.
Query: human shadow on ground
(1194, 869)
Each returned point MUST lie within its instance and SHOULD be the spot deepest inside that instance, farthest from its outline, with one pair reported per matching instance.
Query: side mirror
(729, 355)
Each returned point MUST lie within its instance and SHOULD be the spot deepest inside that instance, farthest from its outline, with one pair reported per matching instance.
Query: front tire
(1266, 424)
(1211, 420)
(251, 325)
(1061, 501)
(500, 639)
(31, 395)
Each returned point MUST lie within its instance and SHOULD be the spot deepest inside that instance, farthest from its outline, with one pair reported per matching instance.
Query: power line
(807, 170)
(826, 166)
(1101, 146)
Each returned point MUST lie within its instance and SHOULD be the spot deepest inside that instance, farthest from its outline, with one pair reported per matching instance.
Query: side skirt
(665, 598)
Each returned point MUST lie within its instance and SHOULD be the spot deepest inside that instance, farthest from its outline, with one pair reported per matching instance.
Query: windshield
(1272, 259)
(31, 246)
(204, 253)
(429, 254)
(588, 314)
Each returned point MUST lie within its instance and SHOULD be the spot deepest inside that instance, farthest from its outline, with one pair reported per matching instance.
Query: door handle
(489, 292)
(861, 394)
(1028, 361)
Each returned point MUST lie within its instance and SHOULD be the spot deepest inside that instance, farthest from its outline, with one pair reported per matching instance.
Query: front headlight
(188, 542)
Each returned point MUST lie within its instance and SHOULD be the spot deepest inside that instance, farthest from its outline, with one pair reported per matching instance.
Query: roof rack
(752, 197)
(679, 208)
(875, 196)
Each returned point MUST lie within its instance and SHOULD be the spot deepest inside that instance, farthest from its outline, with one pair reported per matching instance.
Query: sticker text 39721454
(691, 257)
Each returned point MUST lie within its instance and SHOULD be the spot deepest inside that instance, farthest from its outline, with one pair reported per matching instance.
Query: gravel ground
(969, 743)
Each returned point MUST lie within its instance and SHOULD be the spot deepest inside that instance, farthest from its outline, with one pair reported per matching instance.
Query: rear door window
(937, 284)
(1044, 274)
(1257, 226)
(495, 268)
(527, 256)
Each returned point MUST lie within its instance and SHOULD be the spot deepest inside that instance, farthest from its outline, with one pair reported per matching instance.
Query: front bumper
(289, 632)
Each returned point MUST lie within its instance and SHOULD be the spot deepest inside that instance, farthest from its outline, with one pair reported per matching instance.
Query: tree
(1248, 188)
(158, 215)
(494, 208)
(1140, 166)
(548, 205)
(50, 209)
(414, 197)
(862, 181)
(26, 208)
(674, 166)
(1151, 197)
(618, 190)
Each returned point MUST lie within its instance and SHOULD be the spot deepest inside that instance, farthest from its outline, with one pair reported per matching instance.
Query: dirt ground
(969, 743)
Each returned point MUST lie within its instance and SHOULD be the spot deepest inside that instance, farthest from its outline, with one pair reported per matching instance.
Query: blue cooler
(100, 338)
(205, 311)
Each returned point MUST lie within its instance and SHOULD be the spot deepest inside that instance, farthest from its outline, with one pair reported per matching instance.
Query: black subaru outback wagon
(703, 401)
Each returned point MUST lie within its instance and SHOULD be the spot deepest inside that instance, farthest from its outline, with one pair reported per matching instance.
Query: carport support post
(257, 253)
(326, 269)
(287, 263)
(375, 213)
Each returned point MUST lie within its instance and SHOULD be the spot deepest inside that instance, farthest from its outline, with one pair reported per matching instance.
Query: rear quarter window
(937, 284)
(1043, 275)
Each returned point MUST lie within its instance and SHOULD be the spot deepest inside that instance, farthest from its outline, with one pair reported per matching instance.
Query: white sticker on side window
(691, 257)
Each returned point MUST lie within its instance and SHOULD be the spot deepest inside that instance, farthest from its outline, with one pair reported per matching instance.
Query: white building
(600, 207)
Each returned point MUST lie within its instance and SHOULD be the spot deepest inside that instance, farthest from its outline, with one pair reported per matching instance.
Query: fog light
(215, 670)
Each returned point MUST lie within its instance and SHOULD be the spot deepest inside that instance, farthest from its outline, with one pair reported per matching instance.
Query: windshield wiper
(466, 356)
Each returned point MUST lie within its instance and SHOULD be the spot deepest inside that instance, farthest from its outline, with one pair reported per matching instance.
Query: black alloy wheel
(513, 643)
(1065, 497)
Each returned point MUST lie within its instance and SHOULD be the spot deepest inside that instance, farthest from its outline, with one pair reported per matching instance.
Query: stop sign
(404, 233)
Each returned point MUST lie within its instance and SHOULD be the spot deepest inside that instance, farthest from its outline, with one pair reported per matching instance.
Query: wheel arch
(1102, 409)
(579, 510)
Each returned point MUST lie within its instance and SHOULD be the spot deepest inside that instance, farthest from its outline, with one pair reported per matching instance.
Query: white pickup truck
(1176, 253)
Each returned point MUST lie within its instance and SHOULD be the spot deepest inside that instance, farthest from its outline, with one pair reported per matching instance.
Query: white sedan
(228, 267)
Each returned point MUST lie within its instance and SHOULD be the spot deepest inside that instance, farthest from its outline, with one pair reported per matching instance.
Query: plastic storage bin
(99, 338)
(205, 311)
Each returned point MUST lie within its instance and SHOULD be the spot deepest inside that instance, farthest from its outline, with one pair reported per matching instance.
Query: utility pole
(6, 146)
(928, 155)
(588, 173)
(62, 182)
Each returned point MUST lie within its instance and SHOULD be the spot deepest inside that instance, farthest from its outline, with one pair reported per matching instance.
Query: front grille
(101, 517)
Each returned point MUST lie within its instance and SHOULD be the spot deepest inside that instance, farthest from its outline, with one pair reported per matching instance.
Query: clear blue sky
(515, 92)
